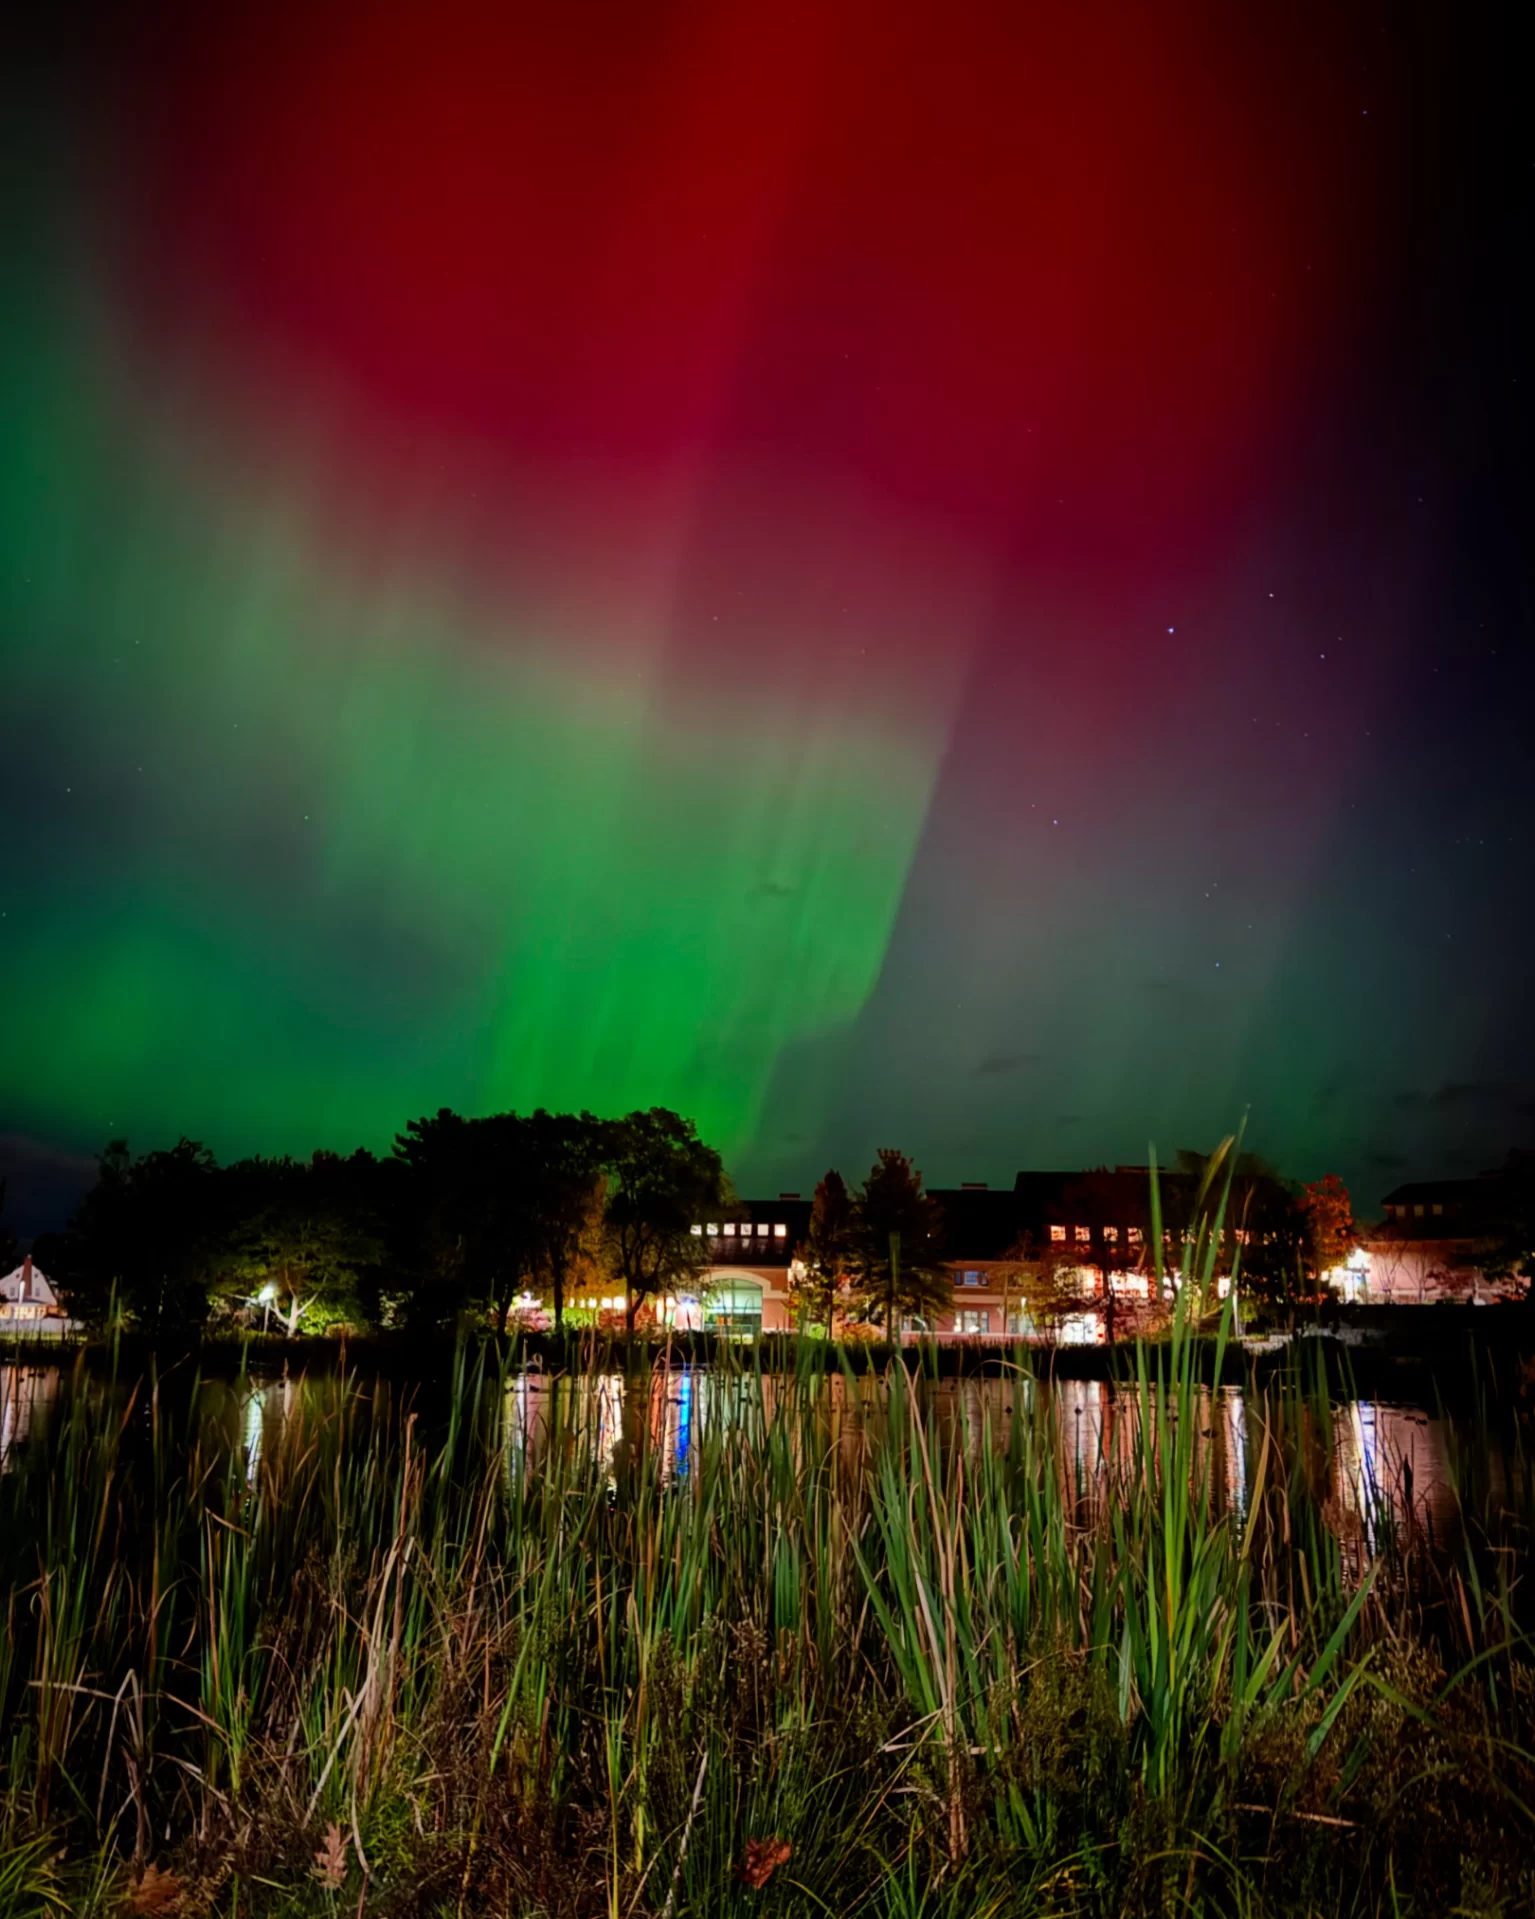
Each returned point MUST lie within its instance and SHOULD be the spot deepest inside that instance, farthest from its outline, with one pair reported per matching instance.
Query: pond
(1365, 1463)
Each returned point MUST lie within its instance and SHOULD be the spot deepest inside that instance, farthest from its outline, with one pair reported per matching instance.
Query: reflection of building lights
(684, 1415)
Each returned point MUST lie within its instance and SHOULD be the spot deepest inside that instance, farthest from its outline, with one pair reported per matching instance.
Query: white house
(28, 1304)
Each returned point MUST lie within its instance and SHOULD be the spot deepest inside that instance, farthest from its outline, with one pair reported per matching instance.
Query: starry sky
(952, 575)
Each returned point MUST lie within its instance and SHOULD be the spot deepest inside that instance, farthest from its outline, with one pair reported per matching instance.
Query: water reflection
(26, 1394)
(1376, 1464)
(1370, 1465)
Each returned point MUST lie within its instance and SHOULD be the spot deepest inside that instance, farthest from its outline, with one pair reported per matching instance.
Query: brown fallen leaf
(153, 1892)
(330, 1859)
(763, 1858)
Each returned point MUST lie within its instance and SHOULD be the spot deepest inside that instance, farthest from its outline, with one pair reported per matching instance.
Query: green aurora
(353, 847)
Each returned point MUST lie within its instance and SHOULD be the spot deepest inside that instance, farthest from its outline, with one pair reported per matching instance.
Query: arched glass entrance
(733, 1304)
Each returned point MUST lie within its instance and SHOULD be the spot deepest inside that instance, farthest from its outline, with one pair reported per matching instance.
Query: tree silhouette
(568, 1188)
(830, 1247)
(1506, 1245)
(1265, 1235)
(1328, 1216)
(471, 1213)
(10, 1246)
(152, 1234)
(309, 1238)
(662, 1181)
(897, 1238)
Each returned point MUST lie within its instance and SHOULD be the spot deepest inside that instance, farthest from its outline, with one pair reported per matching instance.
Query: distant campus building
(1432, 1244)
(1092, 1225)
(1439, 1237)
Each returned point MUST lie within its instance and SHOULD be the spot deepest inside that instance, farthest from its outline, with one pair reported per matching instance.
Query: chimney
(26, 1278)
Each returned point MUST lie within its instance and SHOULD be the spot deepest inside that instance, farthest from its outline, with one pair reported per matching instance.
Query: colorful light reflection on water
(1369, 1463)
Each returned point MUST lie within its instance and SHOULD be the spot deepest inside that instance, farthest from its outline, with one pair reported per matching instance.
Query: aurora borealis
(949, 576)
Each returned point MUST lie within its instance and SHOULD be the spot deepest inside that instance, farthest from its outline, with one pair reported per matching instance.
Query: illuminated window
(972, 1279)
(1111, 1233)
(764, 1232)
(712, 1231)
(1437, 1207)
(1057, 1234)
(1135, 1235)
(1083, 1233)
(696, 1231)
(780, 1232)
(1417, 1212)
(730, 1228)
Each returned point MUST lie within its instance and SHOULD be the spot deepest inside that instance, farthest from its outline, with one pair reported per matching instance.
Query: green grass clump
(479, 1666)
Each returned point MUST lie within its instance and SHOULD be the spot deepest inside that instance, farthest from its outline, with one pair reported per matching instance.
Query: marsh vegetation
(859, 1650)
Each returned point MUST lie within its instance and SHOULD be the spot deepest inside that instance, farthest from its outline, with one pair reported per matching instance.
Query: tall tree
(1506, 1245)
(472, 1213)
(662, 1182)
(310, 1237)
(1048, 1282)
(153, 1233)
(569, 1185)
(899, 1227)
(830, 1247)
(1264, 1237)
(1328, 1216)
(10, 1246)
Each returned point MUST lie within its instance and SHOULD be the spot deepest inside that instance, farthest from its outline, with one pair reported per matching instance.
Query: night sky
(954, 576)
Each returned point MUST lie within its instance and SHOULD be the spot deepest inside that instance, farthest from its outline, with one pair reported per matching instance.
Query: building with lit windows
(1093, 1230)
(1437, 1235)
(1090, 1226)
(29, 1305)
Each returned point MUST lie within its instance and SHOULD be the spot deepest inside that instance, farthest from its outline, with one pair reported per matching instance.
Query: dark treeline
(519, 1219)
(465, 1218)
(500, 1220)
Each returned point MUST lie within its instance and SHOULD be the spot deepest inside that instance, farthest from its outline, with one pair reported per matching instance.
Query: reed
(507, 1654)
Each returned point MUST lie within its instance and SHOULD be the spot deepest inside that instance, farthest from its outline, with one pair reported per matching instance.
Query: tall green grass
(955, 1669)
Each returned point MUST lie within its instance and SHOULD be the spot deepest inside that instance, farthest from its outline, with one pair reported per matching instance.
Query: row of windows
(1082, 1235)
(730, 1230)
(1415, 1212)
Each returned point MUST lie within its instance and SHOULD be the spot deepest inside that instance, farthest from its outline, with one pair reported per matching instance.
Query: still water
(1374, 1459)
(1367, 1462)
